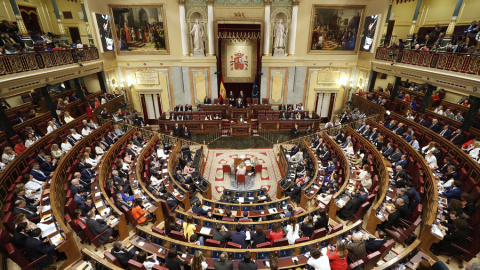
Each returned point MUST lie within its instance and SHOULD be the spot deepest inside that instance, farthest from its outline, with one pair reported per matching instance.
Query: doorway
(151, 107)
(74, 34)
(324, 103)
(30, 18)
(388, 35)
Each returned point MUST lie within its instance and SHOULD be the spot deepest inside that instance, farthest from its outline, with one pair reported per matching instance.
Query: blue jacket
(39, 176)
(239, 238)
(454, 193)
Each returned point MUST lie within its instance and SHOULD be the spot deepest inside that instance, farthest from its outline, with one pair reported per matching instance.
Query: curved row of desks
(59, 179)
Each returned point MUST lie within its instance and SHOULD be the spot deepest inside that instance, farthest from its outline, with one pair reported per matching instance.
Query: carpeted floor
(221, 180)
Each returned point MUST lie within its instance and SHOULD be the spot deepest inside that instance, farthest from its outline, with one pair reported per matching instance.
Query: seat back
(240, 178)
(233, 245)
(258, 168)
(134, 265)
(5, 238)
(87, 232)
(159, 267)
(280, 242)
(361, 211)
(336, 228)
(71, 206)
(319, 233)
(178, 236)
(264, 245)
(302, 239)
(8, 222)
(110, 258)
(372, 260)
(212, 243)
(386, 247)
(16, 255)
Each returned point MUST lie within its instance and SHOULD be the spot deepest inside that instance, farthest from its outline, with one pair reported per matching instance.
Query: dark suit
(422, 122)
(401, 162)
(19, 240)
(445, 133)
(398, 130)
(374, 244)
(124, 255)
(457, 139)
(109, 140)
(98, 226)
(435, 128)
(39, 175)
(227, 265)
(87, 175)
(387, 151)
(29, 210)
(47, 167)
(350, 208)
(393, 219)
(177, 131)
(39, 159)
(395, 156)
(199, 211)
(35, 248)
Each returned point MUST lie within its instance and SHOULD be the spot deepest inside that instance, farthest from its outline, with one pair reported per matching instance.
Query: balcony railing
(458, 62)
(21, 62)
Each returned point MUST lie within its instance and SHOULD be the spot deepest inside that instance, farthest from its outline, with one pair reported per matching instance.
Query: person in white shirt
(30, 140)
(99, 149)
(363, 173)
(429, 148)
(318, 261)
(32, 184)
(156, 179)
(431, 160)
(8, 155)
(145, 260)
(75, 135)
(292, 230)
(86, 131)
(349, 149)
(161, 153)
(66, 146)
(92, 124)
(448, 183)
(67, 117)
(474, 152)
(325, 198)
(439, 110)
(367, 181)
(298, 157)
(51, 127)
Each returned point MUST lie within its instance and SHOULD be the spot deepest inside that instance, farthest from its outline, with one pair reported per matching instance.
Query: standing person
(231, 98)
(338, 257)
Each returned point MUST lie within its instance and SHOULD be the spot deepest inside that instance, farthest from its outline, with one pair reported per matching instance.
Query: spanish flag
(223, 91)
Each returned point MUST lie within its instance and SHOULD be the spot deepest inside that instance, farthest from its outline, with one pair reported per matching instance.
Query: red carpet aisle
(220, 180)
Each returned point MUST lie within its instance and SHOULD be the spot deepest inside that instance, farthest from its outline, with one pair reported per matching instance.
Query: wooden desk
(240, 129)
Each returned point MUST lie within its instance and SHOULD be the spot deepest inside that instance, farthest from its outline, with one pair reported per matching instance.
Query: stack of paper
(241, 199)
(205, 231)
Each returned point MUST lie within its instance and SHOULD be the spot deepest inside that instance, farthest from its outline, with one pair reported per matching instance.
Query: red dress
(89, 112)
(337, 263)
(19, 149)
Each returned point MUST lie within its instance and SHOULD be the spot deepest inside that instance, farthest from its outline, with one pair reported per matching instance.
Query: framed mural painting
(335, 29)
(239, 61)
(140, 29)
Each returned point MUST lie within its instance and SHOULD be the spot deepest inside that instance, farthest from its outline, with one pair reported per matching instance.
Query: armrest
(463, 250)
(98, 236)
(32, 264)
(405, 223)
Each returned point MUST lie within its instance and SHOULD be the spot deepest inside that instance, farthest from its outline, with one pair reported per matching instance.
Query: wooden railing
(77, 107)
(111, 106)
(307, 197)
(14, 170)
(368, 107)
(106, 168)
(22, 62)
(454, 123)
(172, 164)
(458, 62)
(57, 192)
(401, 107)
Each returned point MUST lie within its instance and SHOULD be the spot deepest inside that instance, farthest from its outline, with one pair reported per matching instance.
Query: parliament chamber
(229, 138)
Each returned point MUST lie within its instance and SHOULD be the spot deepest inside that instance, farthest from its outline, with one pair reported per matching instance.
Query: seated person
(373, 244)
(356, 249)
(351, 207)
(31, 211)
(98, 226)
(36, 247)
(276, 233)
(122, 254)
(239, 236)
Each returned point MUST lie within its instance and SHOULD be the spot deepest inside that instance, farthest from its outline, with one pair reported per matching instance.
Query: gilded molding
(296, 2)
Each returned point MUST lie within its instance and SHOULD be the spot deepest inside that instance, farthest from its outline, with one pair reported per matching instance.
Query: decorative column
(79, 90)
(266, 43)
(5, 124)
(48, 101)
(59, 21)
(293, 28)
(385, 27)
(211, 38)
(427, 97)
(414, 23)
(396, 85)
(451, 25)
(469, 118)
(85, 18)
(22, 30)
(373, 80)
(183, 27)
(102, 81)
